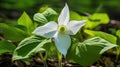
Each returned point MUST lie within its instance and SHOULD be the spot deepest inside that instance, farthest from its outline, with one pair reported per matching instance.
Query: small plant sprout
(61, 31)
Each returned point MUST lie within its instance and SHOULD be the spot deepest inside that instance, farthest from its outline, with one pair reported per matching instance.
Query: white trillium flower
(60, 32)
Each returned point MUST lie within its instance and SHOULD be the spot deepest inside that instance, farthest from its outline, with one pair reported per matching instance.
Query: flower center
(62, 28)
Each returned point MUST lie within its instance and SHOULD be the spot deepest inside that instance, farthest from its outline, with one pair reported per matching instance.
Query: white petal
(74, 26)
(64, 16)
(48, 30)
(62, 42)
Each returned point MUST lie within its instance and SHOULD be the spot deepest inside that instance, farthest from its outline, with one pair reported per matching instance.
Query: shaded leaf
(6, 47)
(12, 33)
(89, 51)
(51, 50)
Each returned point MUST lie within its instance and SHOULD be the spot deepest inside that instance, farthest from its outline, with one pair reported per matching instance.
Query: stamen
(62, 29)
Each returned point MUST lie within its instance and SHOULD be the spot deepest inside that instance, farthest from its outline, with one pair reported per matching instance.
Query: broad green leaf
(6, 47)
(118, 33)
(89, 51)
(12, 33)
(91, 25)
(27, 22)
(76, 16)
(97, 19)
(40, 18)
(100, 17)
(106, 36)
(29, 47)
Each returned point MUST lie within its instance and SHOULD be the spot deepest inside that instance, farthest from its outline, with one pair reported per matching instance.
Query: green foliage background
(80, 6)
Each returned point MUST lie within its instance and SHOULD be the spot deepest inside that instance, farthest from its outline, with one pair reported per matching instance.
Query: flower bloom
(60, 32)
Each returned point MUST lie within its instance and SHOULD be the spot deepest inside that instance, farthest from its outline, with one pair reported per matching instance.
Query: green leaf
(27, 22)
(97, 19)
(40, 18)
(112, 30)
(49, 12)
(106, 36)
(6, 47)
(89, 51)
(100, 17)
(12, 33)
(91, 25)
(118, 39)
(75, 16)
(29, 47)
(43, 8)
(48, 15)
(118, 33)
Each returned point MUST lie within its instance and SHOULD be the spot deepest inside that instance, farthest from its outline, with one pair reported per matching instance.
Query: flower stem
(44, 59)
(80, 36)
(59, 59)
(20, 64)
(118, 52)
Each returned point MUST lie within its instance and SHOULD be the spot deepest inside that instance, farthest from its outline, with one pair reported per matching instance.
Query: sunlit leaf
(118, 33)
(106, 36)
(12, 33)
(89, 51)
(6, 47)
(43, 8)
(100, 17)
(91, 25)
(97, 19)
(76, 16)
(29, 47)
(27, 22)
